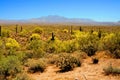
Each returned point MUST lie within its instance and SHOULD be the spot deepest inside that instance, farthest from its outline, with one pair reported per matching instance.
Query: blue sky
(99, 10)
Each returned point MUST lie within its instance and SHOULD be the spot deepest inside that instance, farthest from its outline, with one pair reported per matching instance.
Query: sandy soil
(87, 71)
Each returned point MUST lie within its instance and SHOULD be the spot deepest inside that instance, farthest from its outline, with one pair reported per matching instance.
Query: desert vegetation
(27, 49)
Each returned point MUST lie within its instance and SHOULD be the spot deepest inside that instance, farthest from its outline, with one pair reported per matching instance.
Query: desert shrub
(111, 42)
(95, 60)
(35, 44)
(65, 30)
(80, 54)
(2, 45)
(23, 76)
(23, 33)
(22, 56)
(87, 42)
(53, 46)
(5, 33)
(38, 30)
(51, 58)
(35, 36)
(111, 70)
(38, 47)
(36, 65)
(70, 46)
(117, 53)
(12, 44)
(9, 66)
(66, 62)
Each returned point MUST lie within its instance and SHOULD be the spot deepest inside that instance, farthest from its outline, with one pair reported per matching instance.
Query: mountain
(59, 19)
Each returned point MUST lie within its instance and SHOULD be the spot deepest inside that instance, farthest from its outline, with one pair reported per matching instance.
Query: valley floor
(87, 71)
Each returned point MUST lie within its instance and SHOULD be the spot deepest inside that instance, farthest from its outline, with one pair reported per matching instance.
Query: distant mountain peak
(60, 19)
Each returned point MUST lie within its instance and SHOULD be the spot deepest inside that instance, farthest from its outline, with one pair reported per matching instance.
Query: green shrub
(51, 58)
(88, 43)
(34, 37)
(24, 33)
(12, 44)
(70, 46)
(53, 46)
(22, 56)
(109, 42)
(66, 62)
(9, 66)
(38, 30)
(65, 30)
(117, 53)
(38, 48)
(36, 65)
(23, 76)
(111, 70)
(35, 44)
(1, 44)
(5, 33)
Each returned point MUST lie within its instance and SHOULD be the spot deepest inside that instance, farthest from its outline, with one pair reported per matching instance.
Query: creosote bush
(36, 65)
(23, 76)
(38, 48)
(111, 70)
(53, 46)
(5, 33)
(87, 42)
(23, 33)
(10, 66)
(67, 62)
(51, 58)
(117, 53)
(38, 30)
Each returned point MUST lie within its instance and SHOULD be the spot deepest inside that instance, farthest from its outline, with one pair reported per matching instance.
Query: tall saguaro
(53, 37)
(0, 31)
(16, 29)
(21, 29)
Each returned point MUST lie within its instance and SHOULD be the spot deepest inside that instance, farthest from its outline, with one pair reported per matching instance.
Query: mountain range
(53, 19)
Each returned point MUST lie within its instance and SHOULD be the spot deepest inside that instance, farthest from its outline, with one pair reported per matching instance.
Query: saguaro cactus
(16, 29)
(80, 28)
(0, 31)
(99, 33)
(53, 36)
(91, 31)
(21, 28)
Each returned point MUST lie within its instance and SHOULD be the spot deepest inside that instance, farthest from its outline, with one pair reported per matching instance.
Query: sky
(98, 10)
